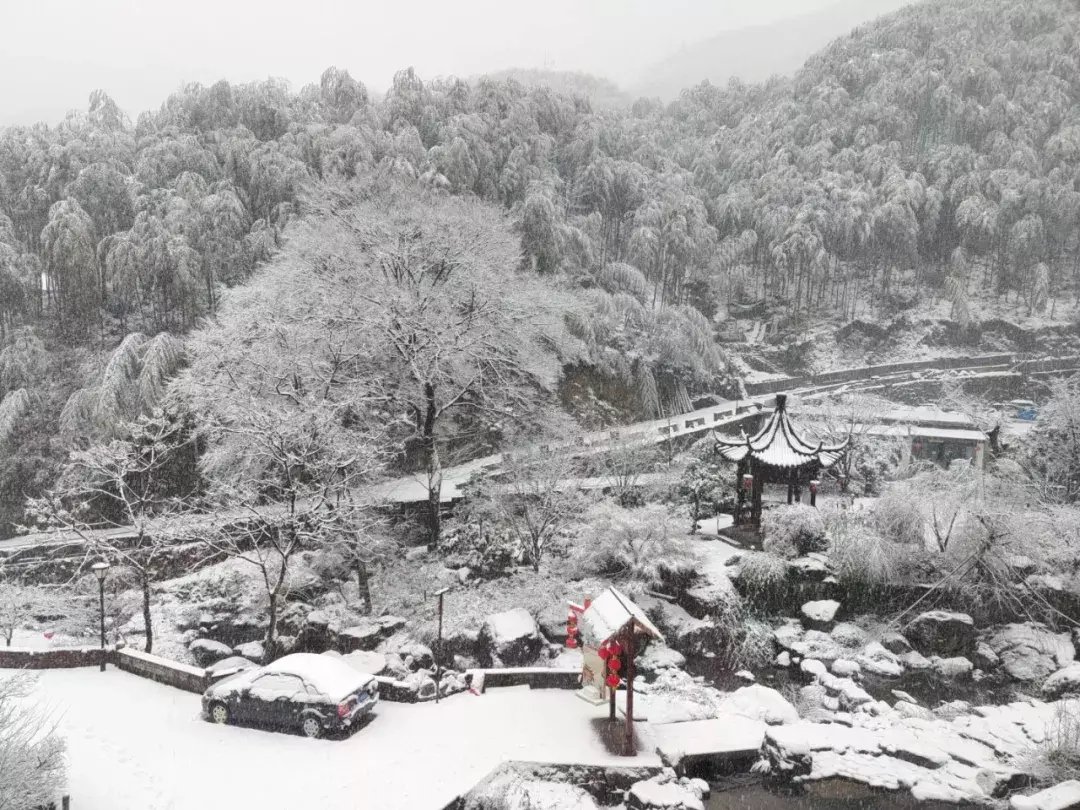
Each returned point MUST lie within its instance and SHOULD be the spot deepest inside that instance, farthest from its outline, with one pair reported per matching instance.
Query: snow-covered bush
(635, 543)
(31, 753)
(1058, 757)
(897, 517)
(487, 549)
(791, 531)
(746, 641)
(763, 579)
(865, 562)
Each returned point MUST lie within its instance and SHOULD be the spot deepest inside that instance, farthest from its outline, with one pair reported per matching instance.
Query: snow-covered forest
(293, 361)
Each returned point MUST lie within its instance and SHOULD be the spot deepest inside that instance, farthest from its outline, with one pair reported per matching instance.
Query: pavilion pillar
(740, 492)
(796, 485)
(790, 488)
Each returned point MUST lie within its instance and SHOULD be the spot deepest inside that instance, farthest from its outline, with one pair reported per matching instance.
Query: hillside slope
(755, 53)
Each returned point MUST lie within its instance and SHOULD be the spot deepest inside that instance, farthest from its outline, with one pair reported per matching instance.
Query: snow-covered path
(136, 745)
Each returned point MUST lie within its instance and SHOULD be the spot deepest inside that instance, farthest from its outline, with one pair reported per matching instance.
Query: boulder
(914, 661)
(955, 668)
(1062, 796)
(849, 635)
(659, 794)
(942, 632)
(252, 650)
(363, 636)
(783, 659)
(659, 657)
(509, 790)
(685, 633)
(228, 666)
(1030, 652)
(895, 643)
(371, 663)
(877, 660)
(788, 633)
(416, 655)
(808, 569)
(907, 709)
(760, 703)
(813, 667)
(390, 624)
(820, 615)
(511, 638)
(985, 657)
(845, 668)
(206, 651)
(815, 644)
(1065, 681)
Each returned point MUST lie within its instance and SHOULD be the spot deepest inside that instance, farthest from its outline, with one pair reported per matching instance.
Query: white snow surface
(331, 676)
(134, 744)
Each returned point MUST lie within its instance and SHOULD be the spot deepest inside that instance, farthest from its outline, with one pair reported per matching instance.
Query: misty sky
(55, 52)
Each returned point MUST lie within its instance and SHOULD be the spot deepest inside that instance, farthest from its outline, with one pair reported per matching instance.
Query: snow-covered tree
(31, 750)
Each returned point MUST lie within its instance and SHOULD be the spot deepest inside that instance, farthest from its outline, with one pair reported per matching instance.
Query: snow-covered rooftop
(609, 613)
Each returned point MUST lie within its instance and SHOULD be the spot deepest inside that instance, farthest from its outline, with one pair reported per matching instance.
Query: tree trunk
(146, 612)
(434, 468)
(271, 629)
(363, 587)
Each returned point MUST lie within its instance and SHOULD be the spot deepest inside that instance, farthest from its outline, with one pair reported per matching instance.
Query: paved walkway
(136, 745)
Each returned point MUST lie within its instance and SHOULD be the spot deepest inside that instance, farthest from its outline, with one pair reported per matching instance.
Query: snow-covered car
(314, 694)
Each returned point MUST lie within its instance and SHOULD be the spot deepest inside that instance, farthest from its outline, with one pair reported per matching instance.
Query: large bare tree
(462, 339)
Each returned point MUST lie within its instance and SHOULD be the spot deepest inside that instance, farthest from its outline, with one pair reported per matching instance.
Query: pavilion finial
(781, 401)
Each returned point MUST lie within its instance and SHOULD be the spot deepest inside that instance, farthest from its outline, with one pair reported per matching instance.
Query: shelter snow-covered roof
(778, 444)
(609, 613)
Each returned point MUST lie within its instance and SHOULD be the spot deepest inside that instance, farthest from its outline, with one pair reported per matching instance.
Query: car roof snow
(331, 676)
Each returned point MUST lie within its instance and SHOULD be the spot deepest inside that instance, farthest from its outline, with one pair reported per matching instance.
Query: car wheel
(311, 727)
(219, 713)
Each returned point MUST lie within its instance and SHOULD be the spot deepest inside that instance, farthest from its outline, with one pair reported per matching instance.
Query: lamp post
(100, 569)
(439, 647)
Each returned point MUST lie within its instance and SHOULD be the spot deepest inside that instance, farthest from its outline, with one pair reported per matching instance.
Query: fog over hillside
(755, 53)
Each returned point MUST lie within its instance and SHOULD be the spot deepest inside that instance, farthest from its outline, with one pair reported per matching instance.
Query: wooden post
(611, 703)
(631, 651)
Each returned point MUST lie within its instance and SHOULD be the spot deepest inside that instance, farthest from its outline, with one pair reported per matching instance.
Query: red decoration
(571, 618)
(747, 482)
(48, 634)
(612, 680)
(614, 663)
(571, 630)
(571, 642)
(616, 648)
(604, 652)
(814, 486)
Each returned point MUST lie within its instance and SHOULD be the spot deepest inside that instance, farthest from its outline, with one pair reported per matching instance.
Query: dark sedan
(313, 694)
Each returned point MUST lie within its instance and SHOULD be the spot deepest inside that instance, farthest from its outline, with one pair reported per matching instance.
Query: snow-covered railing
(535, 677)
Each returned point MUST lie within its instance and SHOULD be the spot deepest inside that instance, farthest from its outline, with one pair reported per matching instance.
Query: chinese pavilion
(775, 454)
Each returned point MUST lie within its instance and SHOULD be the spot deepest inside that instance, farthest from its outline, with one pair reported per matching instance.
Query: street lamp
(100, 569)
(439, 647)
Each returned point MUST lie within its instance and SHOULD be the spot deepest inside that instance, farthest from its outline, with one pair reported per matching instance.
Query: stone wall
(15, 658)
(162, 670)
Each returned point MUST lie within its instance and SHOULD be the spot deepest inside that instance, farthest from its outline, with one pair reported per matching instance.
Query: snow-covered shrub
(763, 579)
(31, 753)
(865, 562)
(635, 543)
(488, 550)
(1058, 757)
(746, 641)
(791, 531)
(897, 517)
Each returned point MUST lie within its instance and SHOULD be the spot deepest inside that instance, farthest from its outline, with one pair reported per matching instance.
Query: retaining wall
(18, 658)
(162, 670)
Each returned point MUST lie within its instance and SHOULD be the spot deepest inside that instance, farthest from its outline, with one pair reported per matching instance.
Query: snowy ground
(136, 745)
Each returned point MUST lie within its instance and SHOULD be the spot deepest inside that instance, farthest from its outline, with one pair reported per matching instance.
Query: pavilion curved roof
(778, 444)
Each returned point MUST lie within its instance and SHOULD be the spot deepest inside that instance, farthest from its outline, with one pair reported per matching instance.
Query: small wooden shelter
(611, 631)
(776, 454)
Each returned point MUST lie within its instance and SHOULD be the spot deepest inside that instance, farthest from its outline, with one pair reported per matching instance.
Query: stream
(831, 794)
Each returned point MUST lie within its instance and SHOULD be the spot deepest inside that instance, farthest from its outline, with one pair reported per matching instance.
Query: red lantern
(571, 630)
(571, 642)
(612, 680)
(604, 652)
(814, 486)
(747, 482)
(614, 663)
(616, 648)
(571, 618)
